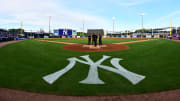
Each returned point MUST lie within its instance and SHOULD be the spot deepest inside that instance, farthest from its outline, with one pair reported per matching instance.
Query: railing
(3, 39)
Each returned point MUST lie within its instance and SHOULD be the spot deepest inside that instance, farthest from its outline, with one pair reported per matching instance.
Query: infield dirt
(109, 47)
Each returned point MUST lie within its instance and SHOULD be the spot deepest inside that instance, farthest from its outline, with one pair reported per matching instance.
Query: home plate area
(92, 48)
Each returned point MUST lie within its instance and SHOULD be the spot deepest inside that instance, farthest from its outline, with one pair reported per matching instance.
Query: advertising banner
(148, 36)
(128, 36)
(74, 32)
(134, 36)
(123, 36)
(61, 32)
(156, 36)
(69, 32)
(56, 32)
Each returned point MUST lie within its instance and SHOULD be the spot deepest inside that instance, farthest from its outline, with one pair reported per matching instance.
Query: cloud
(170, 15)
(36, 12)
(163, 21)
(129, 2)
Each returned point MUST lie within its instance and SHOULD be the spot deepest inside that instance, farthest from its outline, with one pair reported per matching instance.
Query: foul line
(67, 43)
(122, 43)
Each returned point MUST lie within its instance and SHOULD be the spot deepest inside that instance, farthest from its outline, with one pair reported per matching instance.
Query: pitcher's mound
(92, 48)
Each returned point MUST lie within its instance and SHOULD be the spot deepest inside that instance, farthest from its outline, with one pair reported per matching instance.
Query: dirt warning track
(2, 44)
(15, 95)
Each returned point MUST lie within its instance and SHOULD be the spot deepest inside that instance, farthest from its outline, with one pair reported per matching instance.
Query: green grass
(23, 64)
(104, 40)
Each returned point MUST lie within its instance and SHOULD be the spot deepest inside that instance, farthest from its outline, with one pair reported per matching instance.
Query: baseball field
(24, 64)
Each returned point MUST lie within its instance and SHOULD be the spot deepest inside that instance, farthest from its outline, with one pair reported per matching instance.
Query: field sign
(93, 77)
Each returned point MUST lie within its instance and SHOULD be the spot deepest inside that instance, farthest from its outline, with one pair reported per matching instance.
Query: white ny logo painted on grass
(93, 77)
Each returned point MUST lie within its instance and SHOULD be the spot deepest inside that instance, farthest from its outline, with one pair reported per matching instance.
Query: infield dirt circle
(91, 48)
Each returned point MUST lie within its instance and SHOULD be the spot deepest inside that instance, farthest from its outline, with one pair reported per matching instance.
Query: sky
(94, 14)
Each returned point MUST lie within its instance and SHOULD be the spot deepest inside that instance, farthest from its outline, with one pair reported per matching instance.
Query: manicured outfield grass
(104, 40)
(22, 66)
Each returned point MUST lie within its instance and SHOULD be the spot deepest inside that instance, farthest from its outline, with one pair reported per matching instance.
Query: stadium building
(97, 32)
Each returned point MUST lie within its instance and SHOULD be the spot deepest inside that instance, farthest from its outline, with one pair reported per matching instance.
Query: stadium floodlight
(49, 24)
(142, 15)
(21, 28)
(176, 30)
(83, 25)
(113, 19)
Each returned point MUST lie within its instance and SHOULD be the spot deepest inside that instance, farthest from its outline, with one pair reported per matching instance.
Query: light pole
(21, 28)
(83, 25)
(176, 30)
(113, 19)
(142, 15)
(49, 24)
(170, 27)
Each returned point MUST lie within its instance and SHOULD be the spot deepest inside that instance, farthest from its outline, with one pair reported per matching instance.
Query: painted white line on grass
(93, 76)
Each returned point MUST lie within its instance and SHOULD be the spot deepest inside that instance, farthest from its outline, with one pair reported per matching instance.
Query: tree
(15, 32)
(41, 31)
(143, 30)
(81, 33)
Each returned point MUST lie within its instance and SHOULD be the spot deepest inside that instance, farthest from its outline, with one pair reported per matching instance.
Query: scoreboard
(64, 32)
